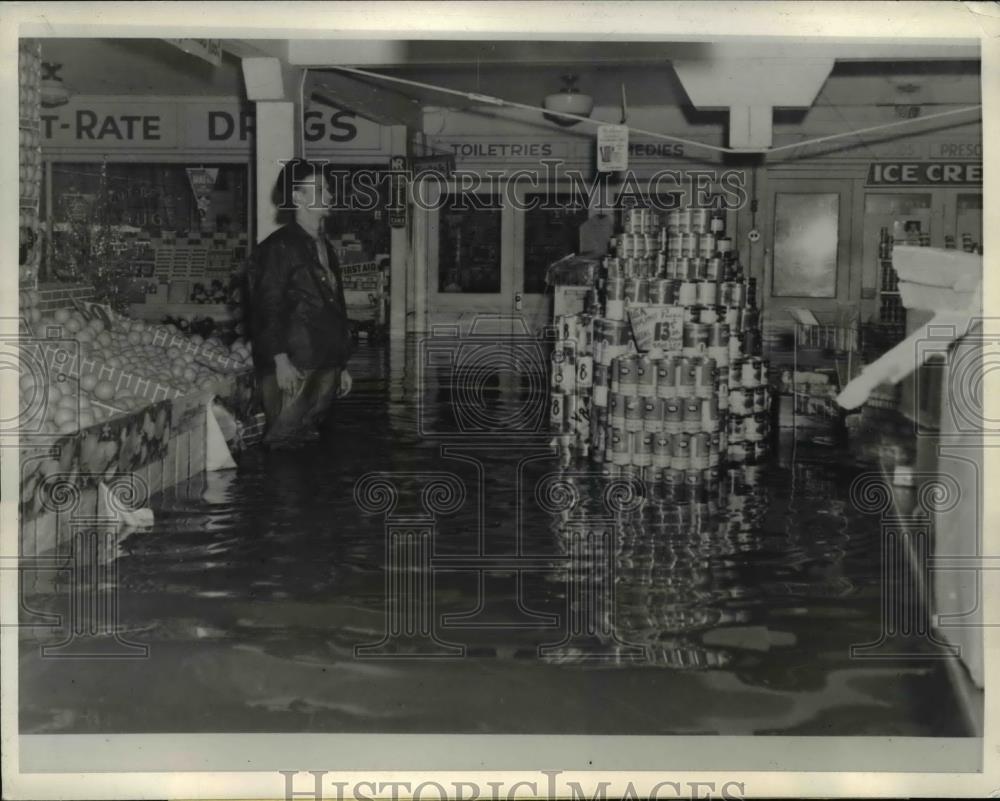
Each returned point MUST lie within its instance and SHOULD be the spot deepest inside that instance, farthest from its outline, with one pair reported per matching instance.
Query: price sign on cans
(657, 327)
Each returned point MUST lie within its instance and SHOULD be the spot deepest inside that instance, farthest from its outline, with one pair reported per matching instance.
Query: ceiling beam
(376, 103)
(426, 53)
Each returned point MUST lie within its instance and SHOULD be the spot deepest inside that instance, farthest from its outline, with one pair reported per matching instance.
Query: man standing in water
(300, 331)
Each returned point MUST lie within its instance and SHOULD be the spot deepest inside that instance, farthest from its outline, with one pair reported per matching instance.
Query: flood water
(500, 595)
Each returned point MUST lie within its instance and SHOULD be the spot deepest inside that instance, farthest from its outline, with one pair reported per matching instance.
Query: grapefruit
(104, 390)
(64, 416)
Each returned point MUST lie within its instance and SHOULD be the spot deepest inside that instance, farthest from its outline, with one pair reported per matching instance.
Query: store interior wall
(855, 95)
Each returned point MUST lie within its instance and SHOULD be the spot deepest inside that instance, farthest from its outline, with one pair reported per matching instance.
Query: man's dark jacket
(295, 308)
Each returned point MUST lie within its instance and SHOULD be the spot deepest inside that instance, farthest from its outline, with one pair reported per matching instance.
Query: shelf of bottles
(30, 158)
(661, 377)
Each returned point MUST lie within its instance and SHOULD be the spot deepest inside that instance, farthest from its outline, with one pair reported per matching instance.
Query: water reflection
(647, 570)
(561, 587)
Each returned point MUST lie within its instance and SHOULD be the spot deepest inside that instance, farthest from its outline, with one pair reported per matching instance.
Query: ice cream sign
(928, 173)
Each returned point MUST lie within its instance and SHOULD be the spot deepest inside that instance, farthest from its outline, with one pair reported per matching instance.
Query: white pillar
(275, 143)
(272, 86)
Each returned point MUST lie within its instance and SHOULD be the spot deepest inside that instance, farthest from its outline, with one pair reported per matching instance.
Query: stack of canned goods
(672, 417)
(572, 385)
(683, 258)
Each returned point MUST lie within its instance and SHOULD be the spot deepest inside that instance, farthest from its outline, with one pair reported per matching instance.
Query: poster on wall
(202, 180)
(612, 148)
(805, 245)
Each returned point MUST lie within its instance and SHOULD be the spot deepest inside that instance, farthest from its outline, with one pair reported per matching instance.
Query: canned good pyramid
(662, 376)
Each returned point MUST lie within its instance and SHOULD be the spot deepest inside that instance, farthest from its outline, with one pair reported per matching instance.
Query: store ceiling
(519, 71)
(139, 67)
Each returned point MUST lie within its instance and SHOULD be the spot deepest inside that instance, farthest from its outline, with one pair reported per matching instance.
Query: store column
(400, 252)
(276, 133)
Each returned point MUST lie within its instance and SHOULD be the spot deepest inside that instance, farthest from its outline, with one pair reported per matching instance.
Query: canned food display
(691, 415)
(687, 293)
(645, 375)
(666, 372)
(698, 222)
(617, 410)
(707, 293)
(661, 292)
(602, 385)
(642, 443)
(624, 378)
(662, 444)
(699, 448)
(685, 377)
(708, 315)
(680, 451)
(652, 414)
(672, 416)
(695, 338)
(633, 412)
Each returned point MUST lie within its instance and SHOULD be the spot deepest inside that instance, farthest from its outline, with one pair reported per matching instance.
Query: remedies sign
(931, 173)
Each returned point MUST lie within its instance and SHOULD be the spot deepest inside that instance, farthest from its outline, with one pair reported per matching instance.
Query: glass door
(546, 228)
(469, 257)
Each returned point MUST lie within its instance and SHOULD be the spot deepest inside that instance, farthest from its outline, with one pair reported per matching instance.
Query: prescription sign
(929, 173)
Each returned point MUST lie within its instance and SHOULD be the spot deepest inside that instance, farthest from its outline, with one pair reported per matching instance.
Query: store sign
(397, 209)
(506, 149)
(957, 150)
(361, 268)
(654, 150)
(931, 173)
(118, 124)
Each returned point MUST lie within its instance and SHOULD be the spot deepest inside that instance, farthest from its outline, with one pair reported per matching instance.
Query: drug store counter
(113, 412)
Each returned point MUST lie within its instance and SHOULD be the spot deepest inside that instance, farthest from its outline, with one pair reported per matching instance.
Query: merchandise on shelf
(83, 365)
(661, 377)
(30, 158)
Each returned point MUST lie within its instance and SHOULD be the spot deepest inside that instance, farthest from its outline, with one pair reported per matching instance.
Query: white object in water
(947, 282)
(217, 453)
(902, 476)
(127, 518)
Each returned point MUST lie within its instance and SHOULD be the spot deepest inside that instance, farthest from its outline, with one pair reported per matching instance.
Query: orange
(104, 390)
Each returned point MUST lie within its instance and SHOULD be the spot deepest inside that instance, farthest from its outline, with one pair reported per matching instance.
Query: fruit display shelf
(106, 399)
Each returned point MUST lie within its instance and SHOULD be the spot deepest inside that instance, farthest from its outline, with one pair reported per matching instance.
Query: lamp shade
(53, 92)
(568, 103)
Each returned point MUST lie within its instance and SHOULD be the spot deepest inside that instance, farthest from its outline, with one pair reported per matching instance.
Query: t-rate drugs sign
(928, 173)
(113, 125)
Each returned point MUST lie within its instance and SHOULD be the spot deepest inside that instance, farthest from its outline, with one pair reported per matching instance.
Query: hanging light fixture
(568, 100)
(53, 91)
